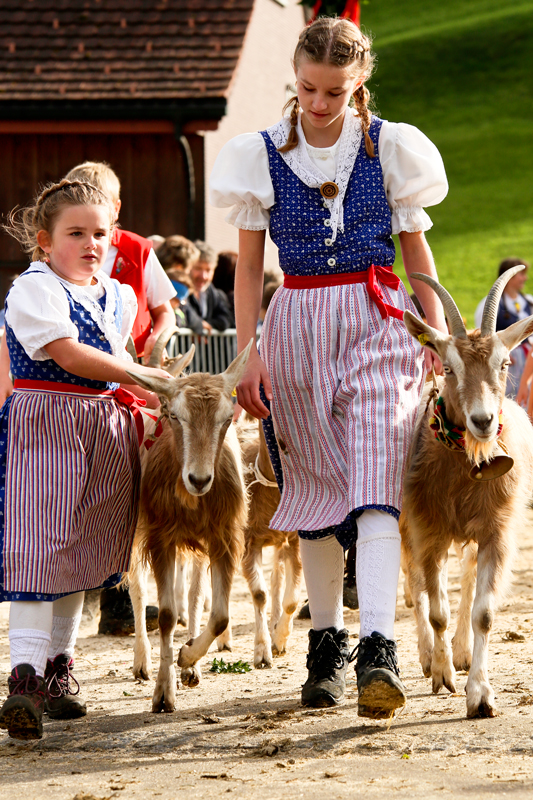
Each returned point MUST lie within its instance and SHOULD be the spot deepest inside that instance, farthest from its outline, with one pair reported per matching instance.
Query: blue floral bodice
(23, 367)
(298, 219)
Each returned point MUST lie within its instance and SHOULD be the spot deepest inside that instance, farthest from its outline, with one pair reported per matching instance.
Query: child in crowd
(342, 374)
(69, 452)
(177, 252)
(186, 316)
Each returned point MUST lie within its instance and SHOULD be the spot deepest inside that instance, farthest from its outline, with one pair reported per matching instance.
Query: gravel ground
(248, 735)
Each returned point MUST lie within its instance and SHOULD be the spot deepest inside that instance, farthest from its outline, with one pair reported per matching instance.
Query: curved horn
(490, 312)
(130, 347)
(453, 316)
(162, 341)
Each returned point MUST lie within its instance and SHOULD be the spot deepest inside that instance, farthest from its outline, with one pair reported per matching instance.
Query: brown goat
(192, 498)
(264, 499)
(475, 497)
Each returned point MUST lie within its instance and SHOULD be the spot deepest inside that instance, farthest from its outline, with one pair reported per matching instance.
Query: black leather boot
(327, 662)
(380, 689)
(62, 701)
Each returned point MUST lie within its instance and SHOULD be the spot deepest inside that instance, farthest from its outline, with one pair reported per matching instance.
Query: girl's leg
(378, 568)
(323, 567)
(30, 627)
(30, 633)
(327, 661)
(62, 701)
(65, 623)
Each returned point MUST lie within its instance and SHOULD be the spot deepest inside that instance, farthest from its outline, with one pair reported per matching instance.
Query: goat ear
(157, 385)
(235, 371)
(176, 366)
(426, 335)
(516, 333)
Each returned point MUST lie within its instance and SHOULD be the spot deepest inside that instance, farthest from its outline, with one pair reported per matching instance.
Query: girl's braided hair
(25, 223)
(340, 43)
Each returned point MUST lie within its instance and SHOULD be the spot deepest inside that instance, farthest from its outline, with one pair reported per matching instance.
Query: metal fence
(214, 351)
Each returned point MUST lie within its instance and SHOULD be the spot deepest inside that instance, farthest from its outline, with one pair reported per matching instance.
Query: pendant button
(329, 190)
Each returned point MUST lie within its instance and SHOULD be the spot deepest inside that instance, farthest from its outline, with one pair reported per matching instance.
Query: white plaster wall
(257, 96)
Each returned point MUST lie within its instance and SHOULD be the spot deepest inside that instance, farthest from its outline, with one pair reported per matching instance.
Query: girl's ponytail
(292, 140)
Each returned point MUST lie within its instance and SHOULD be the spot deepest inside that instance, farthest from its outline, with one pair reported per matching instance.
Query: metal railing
(214, 352)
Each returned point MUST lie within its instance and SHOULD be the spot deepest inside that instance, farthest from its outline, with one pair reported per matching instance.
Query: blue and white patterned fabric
(299, 219)
(23, 367)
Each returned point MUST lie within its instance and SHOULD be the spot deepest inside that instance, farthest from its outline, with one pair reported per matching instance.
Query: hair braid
(292, 140)
(361, 97)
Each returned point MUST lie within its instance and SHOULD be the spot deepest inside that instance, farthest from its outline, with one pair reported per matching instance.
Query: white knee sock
(30, 626)
(65, 624)
(378, 569)
(323, 566)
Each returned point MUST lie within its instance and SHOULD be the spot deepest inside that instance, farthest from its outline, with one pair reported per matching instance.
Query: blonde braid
(361, 97)
(292, 140)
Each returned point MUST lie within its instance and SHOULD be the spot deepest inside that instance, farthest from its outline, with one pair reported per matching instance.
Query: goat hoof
(463, 665)
(262, 657)
(483, 711)
(182, 620)
(426, 669)
(450, 685)
(278, 650)
(162, 706)
(224, 646)
(190, 677)
(142, 673)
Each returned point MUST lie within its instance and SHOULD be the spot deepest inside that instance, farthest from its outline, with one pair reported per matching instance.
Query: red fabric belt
(372, 277)
(120, 395)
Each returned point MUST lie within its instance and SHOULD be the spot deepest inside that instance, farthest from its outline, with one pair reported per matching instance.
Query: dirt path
(247, 734)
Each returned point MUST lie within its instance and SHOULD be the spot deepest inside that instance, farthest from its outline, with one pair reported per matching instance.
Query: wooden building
(135, 83)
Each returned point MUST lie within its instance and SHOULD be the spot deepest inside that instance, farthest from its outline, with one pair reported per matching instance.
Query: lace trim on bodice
(104, 318)
(299, 161)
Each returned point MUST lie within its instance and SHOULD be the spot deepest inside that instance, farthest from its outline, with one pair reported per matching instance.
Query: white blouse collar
(104, 318)
(300, 162)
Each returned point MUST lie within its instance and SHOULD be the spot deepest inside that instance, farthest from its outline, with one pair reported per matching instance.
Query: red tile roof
(90, 50)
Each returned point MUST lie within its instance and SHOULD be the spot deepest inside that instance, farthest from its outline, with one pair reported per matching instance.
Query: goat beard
(478, 452)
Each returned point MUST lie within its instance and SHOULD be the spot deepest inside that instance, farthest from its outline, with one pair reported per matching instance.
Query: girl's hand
(248, 389)
(522, 394)
(433, 361)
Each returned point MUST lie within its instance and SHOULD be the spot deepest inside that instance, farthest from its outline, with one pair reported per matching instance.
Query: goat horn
(162, 341)
(490, 312)
(130, 347)
(453, 315)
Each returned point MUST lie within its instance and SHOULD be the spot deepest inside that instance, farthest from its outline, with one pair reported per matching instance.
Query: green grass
(463, 73)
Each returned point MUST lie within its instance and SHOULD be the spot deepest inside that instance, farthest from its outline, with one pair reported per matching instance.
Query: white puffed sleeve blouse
(413, 174)
(38, 311)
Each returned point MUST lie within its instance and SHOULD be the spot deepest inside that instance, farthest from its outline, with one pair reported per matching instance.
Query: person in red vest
(130, 259)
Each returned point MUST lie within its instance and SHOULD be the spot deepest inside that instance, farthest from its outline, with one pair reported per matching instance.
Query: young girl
(69, 463)
(332, 183)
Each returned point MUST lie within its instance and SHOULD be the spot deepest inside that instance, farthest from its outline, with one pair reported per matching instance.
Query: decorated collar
(446, 432)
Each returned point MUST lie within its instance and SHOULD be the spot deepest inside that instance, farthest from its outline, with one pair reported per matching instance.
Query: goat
(192, 498)
(264, 499)
(475, 496)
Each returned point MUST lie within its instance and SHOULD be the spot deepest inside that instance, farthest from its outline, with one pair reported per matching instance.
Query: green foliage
(219, 665)
(462, 72)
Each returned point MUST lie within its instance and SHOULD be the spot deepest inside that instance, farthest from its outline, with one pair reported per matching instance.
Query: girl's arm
(89, 362)
(417, 257)
(248, 295)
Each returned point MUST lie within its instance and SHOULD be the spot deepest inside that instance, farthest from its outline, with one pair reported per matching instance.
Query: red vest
(133, 252)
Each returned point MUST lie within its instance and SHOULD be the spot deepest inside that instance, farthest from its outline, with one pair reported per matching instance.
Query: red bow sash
(372, 277)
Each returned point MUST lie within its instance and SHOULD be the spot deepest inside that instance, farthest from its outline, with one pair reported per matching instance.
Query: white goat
(192, 498)
(475, 496)
(264, 499)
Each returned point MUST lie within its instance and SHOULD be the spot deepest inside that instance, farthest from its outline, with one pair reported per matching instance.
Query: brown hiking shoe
(22, 712)
(61, 702)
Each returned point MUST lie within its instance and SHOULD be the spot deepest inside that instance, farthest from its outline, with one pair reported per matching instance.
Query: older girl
(331, 183)
(68, 446)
